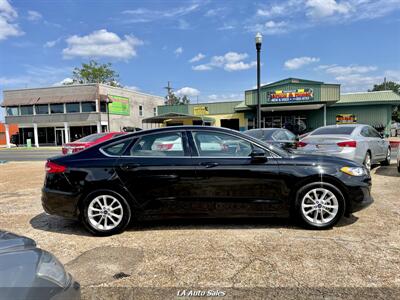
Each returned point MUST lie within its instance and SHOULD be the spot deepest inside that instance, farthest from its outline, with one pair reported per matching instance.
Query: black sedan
(28, 272)
(279, 137)
(198, 171)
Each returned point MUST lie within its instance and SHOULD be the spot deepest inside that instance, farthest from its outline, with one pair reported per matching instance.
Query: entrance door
(60, 139)
(230, 123)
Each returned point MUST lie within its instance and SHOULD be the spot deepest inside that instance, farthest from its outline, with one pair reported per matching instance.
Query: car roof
(342, 125)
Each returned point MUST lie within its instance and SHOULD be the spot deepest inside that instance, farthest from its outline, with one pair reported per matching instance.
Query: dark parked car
(28, 272)
(279, 137)
(131, 177)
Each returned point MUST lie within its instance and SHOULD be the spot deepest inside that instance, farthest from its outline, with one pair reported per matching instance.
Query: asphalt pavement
(28, 155)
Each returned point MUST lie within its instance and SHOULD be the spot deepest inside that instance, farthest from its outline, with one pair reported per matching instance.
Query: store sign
(292, 95)
(346, 119)
(200, 110)
(118, 105)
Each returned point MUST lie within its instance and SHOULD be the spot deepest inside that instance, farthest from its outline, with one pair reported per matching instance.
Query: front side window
(72, 107)
(88, 106)
(221, 144)
(279, 135)
(42, 109)
(12, 111)
(373, 132)
(57, 108)
(26, 110)
(162, 144)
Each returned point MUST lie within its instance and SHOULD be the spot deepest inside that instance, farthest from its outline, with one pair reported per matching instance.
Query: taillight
(52, 168)
(351, 144)
(165, 147)
(301, 144)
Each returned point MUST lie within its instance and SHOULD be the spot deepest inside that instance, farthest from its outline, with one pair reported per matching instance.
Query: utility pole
(258, 47)
(384, 83)
(169, 89)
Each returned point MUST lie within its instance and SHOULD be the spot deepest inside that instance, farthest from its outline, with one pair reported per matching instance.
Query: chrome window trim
(189, 156)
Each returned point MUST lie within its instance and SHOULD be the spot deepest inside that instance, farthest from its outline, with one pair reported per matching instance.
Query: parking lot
(243, 258)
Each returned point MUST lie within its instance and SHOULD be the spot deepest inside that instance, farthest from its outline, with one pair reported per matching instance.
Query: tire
(367, 161)
(319, 205)
(105, 213)
(386, 162)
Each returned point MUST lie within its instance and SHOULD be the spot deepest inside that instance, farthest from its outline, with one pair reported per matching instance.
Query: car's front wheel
(319, 205)
(105, 213)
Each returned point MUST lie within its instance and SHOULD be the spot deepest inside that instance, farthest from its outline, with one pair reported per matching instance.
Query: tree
(172, 99)
(93, 72)
(386, 86)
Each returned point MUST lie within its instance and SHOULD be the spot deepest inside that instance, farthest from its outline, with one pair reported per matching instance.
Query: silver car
(360, 143)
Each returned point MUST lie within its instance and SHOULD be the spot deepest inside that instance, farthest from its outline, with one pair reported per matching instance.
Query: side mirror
(258, 155)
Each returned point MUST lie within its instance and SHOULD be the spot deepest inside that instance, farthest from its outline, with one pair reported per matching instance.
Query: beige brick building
(56, 115)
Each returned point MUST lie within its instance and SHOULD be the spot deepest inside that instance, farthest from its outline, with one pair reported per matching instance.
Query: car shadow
(62, 225)
(58, 225)
(390, 171)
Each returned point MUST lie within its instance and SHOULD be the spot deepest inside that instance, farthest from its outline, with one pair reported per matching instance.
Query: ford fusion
(200, 172)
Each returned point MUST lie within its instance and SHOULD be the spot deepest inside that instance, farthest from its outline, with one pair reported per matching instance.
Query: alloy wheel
(319, 206)
(105, 212)
(388, 155)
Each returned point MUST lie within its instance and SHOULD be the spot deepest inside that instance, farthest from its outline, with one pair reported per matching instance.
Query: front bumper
(60, 203)
(359, 198)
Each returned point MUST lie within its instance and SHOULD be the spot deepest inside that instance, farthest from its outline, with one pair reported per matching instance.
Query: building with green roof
(297, 104)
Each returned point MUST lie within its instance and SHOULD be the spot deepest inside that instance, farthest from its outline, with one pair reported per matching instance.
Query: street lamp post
(108, 101)
(258, 47)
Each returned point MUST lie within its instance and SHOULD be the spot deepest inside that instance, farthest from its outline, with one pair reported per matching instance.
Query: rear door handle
(129, 166)
(209, 164)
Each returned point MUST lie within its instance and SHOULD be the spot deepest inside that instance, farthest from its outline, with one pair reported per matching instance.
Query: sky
(206, 49)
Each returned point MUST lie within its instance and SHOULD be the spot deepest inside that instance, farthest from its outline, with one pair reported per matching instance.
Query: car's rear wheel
(105, 213)
(386, 162)
(367, 161)
(319, 205)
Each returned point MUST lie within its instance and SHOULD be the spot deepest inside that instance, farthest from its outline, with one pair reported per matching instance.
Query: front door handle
(209, 164)
(129, 166)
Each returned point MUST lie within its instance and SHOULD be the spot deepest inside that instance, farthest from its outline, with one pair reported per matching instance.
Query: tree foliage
(93, 72)
(172, 99)
(386, 86)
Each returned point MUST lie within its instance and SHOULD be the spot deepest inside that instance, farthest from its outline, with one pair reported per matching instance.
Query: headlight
(354, 171)
(51, 269)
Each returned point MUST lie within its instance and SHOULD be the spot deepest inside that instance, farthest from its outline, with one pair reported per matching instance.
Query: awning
(175, 116)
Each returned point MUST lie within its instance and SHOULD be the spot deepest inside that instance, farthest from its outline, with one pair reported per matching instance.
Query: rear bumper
(60, 203)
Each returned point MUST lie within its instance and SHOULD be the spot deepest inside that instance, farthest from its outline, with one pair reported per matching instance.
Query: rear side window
(258, 134)
(162, 144)
(117, 149)
(346, 130)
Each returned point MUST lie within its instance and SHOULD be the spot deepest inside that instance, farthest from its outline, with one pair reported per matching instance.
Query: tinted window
(163, 144)
(221, 144)
(280, 135)
(373, 133)
(72, 107)
(346, 130)
(88, 106)
(26, 110)
(42, 109)
(256, 133)
(117, 149)
(12, 111)
(92, 137)
(57, 108)
(290, 135)
(103, 106)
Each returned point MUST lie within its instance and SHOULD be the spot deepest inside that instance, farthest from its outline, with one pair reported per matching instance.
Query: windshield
(346, 130)
(91, 138)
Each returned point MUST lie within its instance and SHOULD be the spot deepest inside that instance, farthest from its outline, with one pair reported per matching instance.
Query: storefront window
(72, 107)
(88, 106)
(42, 109)
(103, 107)
(26, 110)
(12, 111)
(57, 108)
